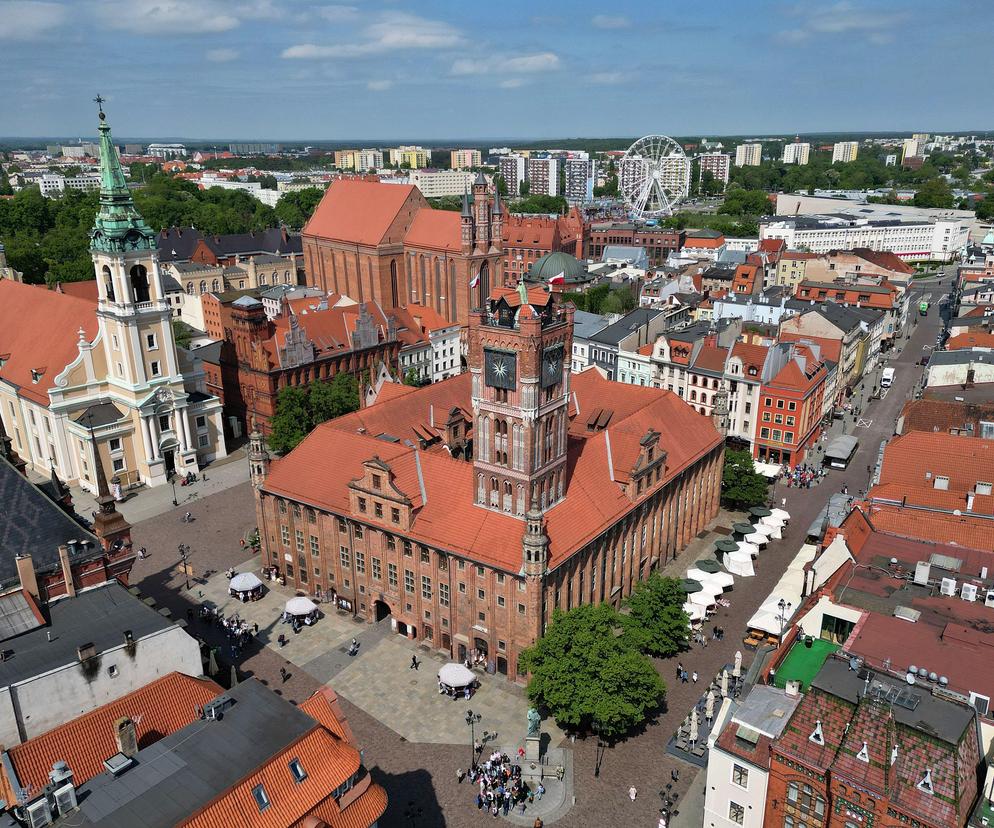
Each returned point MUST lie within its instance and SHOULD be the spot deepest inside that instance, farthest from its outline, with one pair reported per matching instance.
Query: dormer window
(864, 754)
(817, 736)
(36, 375)
(377, 481)
(926, 783)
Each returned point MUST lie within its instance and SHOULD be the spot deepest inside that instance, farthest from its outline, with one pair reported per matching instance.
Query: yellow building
(462, 159)
(414, 157)
(346, 159)
(73, 366)
(791, 268)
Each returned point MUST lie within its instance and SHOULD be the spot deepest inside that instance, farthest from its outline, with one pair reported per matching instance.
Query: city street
(423, 772)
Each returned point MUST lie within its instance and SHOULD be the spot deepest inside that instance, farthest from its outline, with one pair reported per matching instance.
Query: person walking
(679, 669)
(284, 675)
(694, 676)
(414, 662)
(539, 791)
(632, 793)
(459, 776)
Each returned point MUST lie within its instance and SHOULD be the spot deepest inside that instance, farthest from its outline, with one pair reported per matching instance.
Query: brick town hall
(468, 510)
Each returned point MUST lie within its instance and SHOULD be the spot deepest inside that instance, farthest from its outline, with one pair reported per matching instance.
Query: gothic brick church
(384, 243)
(466, 511)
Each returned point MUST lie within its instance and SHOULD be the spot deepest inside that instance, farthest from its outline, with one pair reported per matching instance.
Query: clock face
(501, 369)
(552, 365)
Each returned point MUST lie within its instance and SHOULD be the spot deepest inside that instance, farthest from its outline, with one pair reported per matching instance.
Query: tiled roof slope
(447, 517)
(358, 211)
(157, 709)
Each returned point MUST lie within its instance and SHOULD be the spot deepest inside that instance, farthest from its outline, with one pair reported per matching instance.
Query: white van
(887, 378)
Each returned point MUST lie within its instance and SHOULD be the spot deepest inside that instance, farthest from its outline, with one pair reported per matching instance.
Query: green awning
(690, 585)
(708, 565)
(726, 545)
(743, 528)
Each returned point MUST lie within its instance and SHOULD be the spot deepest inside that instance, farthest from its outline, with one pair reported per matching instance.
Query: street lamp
(184, 551)
(784, 607)
(601, 746)
(472, 719)
(172, 482)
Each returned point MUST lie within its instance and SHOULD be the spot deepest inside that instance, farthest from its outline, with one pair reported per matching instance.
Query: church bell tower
(518, 357)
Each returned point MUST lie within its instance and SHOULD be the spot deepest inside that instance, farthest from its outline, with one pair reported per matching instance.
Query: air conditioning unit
(922, 570)
(968, 592)
(989, 600)
(65, 799)
(39, 814)
(948, 586)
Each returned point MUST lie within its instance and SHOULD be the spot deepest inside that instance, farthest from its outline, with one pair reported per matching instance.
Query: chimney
(125, 736)
(26, 575)
(67, 570)
(86, 651)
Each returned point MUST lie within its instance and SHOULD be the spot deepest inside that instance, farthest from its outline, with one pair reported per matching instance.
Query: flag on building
(560, 279)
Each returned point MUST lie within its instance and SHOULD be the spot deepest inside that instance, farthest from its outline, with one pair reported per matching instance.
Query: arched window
(480, 494)
(508, 496)
(394, 291)
(108, 283)
(215, 285)
(693, 396)
(521, 499)
(484, 284)
(452, 292)
(189, 288)
(203, 287)
(438, 285)
(286, 277)
(494, 492)
(262, 278)
(139, 283)
(424, 282)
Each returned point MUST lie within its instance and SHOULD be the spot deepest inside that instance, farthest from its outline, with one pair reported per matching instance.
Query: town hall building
(468, 510)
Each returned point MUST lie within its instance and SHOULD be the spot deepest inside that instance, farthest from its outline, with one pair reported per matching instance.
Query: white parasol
(740, 563)
(300, 606)
(764, 529)
(456, 675)
(722, 579)
(751, 548)
(756, 538)
(694, 726)
(697, 574)
(702, 598)
(772, 520)
(709, 706)
(724, 683)
(737, 670)
(780, 513)
(695, 611)
(244, 582)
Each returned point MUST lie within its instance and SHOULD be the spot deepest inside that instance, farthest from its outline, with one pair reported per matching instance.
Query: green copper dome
(552, 264)
(119, 226)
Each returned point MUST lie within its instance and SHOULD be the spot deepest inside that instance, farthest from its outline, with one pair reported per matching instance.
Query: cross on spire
(100, 101)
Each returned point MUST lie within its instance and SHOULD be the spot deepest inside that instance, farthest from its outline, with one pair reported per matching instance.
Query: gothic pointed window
(189, 288)
(139, 283)
(394, 292)
(203, 287)
(215, 285)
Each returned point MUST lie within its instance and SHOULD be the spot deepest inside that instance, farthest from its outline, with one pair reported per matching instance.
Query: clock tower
(519, 346)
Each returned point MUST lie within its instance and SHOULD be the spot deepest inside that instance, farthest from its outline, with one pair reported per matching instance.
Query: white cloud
(166, 17)
(842, 17)
(393, 31)
(608, 78)
(379, 85)
(338, 14)
(606, 21)
(29, 19)
(507, 64)
(221, 55)
(512, 83)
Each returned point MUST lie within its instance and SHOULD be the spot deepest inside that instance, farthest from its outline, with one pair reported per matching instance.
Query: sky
(293, 70)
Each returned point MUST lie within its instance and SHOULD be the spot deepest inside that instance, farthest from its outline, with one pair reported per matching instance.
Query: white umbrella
(724, 683)
(709, 705)
(694, 726)
(722, 579)
(244, 582)
(772, 605)
(772, 520)
(711, 587)
(765, 621)
(696, 574)
(456, 675)
(695, 611)
(756, 539)
(300, 606)
(764, 529)
(780, 513)
(740, 563)
(750, 548)
(737, 671)
(704, 599)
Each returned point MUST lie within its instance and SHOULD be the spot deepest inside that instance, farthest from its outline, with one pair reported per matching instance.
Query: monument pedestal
(532, 748)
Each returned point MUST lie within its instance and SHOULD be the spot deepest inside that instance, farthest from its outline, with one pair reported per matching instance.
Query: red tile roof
(916, 459)
(945, 416)
(87, 289)
(447, 517)
(751, 355)
(885, 259)
(39, 330)
(435, 230)
(158, 709)
(711, 358)
(772, 245)
(963, 341)
(963, 530)
(358, 211)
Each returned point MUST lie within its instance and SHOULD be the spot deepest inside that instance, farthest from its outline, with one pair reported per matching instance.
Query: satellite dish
(910, 678)
(853, 663)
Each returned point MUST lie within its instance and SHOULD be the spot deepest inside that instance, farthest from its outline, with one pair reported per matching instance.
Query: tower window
(139, 283)
(150, 342)
(155, 368)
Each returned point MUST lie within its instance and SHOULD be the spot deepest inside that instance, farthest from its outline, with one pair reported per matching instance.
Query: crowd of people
(500, 786)
(802, 476)
(239, 632)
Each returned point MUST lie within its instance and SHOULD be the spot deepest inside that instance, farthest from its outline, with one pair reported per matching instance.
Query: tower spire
(119, 226)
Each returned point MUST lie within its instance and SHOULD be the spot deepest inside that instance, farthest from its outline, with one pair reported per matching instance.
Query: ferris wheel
(654, 176)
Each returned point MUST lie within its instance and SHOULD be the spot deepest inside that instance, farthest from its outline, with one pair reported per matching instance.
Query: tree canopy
(588, 677)
(656, 623)
(539, 203)
(742, 487)
(299, 410)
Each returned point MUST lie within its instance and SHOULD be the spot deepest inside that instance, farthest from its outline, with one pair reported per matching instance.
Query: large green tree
(292, 420)
(588, 677)
(742, 487)
(295, 208)
(655, 622)
(934, 193)
(327, 400)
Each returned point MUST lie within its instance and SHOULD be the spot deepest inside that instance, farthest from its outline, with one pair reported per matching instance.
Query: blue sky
(294, 70)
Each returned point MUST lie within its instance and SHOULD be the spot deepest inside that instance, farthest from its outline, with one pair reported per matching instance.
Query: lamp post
(472, 719)
(184, 551)
(172, 482)
(599, 753)
(784, 607)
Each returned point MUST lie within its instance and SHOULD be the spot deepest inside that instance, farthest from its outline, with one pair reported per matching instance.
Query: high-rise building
(414, 157)
(543, 176)
(346, 159)
(845, 151)
(167, 151)
(461, 159)
(512, 170)
(748, 155)
(716, 163)
(254, 149)
(914, 147)
(579, 174)
(797, 152)
(369, 159)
